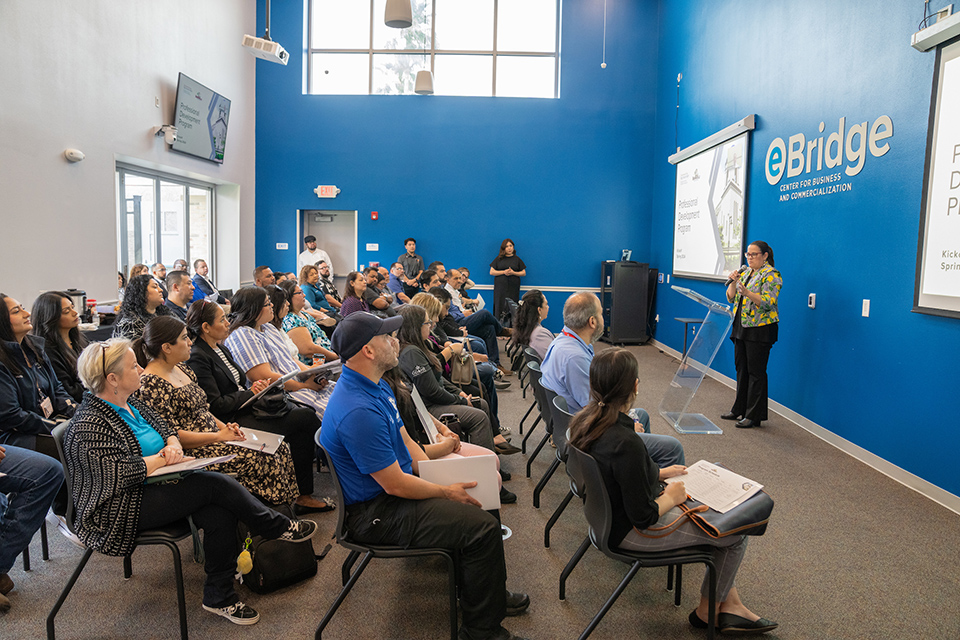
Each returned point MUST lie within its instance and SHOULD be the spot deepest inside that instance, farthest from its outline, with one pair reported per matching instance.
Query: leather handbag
(272, 405)
(747, 519)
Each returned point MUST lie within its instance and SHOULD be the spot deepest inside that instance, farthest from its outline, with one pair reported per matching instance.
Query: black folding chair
(544, 398)
(370, 552)
(561, 424)
(168, 536)
(599, 513)
(534, 373)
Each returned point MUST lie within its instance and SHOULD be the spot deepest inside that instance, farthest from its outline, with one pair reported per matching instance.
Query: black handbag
(277, 564)
(272, 405)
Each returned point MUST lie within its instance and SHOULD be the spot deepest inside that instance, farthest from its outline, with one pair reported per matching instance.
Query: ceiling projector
(266, 49)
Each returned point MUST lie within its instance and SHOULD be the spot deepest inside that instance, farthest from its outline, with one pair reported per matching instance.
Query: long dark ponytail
(613, 379)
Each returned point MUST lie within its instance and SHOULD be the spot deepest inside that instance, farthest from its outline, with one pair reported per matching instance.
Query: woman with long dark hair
(56, 321)
(641, 507)
(423, 368)
(302, 329)
(260, 350)
(754, 291)
(529, 332)
(507, 269)
(31, 396)
(142, 301)
(222, 379)
(115, 441)
(353, 294)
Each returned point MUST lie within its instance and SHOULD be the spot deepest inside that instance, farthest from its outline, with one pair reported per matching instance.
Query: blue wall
(461, 174)
(882, 382)
(574, 180)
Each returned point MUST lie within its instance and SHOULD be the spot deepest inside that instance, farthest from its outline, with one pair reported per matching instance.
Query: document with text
(717, 487)
(260, 441)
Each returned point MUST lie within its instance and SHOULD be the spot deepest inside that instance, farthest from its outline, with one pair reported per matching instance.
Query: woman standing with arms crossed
(754, 291)
(507, 269)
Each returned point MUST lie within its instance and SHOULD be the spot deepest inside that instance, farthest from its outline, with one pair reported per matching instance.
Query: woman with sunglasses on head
(170, 388)
(56, 320)
(222, 379)
(142, 301)
(754, 291)
(262, 353)
(31, 396)
(115, 441)
(641, 507)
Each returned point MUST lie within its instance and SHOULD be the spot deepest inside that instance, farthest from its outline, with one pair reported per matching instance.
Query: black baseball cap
(310, 239)
(359, 328)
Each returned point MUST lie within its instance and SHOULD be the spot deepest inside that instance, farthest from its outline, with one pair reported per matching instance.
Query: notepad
(191, 464)
(259, 441)
(479, 469)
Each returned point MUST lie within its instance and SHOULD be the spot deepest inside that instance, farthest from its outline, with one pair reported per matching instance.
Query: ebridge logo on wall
(801, 157)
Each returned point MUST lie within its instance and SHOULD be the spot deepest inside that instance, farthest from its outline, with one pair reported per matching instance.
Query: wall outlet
(866, 308)
(812, 301)
(660, 278)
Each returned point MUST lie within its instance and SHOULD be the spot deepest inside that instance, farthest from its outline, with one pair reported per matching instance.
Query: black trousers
(297, 428)
(751, 359)
(216, 502)
(449, 525)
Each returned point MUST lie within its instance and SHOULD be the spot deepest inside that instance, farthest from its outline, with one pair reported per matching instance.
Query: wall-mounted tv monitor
(201, 119)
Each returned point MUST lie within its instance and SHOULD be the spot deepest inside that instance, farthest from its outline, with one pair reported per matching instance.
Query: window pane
(527, 25)
(463, 75)
(465, 25)
(396, 74)
(140, 200)
(200, 207)
(172, 222)
(525, 77)
(341, 74)
(336, 24)
(417, 36)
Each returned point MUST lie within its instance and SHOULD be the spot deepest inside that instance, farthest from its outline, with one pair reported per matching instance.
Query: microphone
(736, 274)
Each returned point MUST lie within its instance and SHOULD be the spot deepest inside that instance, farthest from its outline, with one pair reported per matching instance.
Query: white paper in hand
(479, 469)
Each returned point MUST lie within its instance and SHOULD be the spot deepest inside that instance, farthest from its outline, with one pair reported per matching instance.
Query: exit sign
(326, 191)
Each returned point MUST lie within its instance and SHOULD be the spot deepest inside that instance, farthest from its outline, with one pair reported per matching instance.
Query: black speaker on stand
(626, 294)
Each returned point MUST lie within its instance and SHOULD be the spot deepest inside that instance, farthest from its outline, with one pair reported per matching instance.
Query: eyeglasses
(268, 304)
(751, 255)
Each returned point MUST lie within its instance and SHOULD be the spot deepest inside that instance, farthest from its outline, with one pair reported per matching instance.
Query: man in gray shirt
(412, 267)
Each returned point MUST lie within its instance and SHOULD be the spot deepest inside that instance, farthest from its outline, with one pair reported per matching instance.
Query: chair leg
(51, 635)
(531, 408)
(523, 443)
(610, 601)
(347, 566)
(452, 569)
(44, 545)
(670, 578)
(181, 599)
(367, 557)
(711, 599)
(678, 591)
(26, 558)
(127, 568)
(543, 482)
(553, 519)
(571, 565)
(536, 451)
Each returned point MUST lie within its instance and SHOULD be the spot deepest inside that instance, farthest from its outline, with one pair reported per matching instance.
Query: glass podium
(693, 367)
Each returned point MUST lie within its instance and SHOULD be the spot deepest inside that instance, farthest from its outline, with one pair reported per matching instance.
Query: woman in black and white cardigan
(114, 442)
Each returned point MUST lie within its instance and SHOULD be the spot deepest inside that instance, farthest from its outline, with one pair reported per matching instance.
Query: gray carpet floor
(849, 554)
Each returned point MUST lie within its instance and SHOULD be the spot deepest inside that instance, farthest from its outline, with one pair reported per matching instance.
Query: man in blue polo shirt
(566, 371)
(386, 503)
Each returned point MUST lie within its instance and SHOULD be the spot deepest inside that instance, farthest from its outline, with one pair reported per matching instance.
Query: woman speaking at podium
(754, 290)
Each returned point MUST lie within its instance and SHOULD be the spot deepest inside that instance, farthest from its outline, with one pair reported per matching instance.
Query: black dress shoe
(517, 603)
(506, 449)
(729, 415)
(507, 496)
(730, 623)
(505, 475)
(747, 423)
(501, 634)
(695, 621)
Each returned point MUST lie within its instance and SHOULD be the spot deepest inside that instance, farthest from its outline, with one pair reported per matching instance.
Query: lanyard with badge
(46, 405)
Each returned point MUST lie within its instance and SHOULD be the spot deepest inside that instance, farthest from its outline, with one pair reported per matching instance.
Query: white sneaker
(238, 613)
(61, 524)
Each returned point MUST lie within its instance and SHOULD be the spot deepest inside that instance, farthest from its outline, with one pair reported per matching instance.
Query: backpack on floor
(277, 564)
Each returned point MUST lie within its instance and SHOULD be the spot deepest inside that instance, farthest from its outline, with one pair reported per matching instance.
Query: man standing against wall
(312, 255)
(412, 268)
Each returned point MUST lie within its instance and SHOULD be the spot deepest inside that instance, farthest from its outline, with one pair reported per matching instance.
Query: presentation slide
(938, 286)
(201, 120)
(708, 216)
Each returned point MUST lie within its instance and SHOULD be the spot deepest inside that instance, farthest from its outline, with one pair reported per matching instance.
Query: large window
(162, 218)
(474, 48)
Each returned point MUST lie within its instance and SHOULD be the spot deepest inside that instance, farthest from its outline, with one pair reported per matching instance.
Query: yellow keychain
(245, 560)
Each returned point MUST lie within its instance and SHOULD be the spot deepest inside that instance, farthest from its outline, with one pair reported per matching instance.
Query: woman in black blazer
(223, 381)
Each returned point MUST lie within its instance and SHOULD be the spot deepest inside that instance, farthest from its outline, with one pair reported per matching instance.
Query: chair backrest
(561, 422)
(341, 530)
(539, 393)
(530, 355)
(596, 500)
(546, 409)
(58, 434)
(514, 309)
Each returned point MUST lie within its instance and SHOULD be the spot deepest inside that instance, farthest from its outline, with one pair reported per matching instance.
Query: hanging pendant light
(398, 14)
(424, 85)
